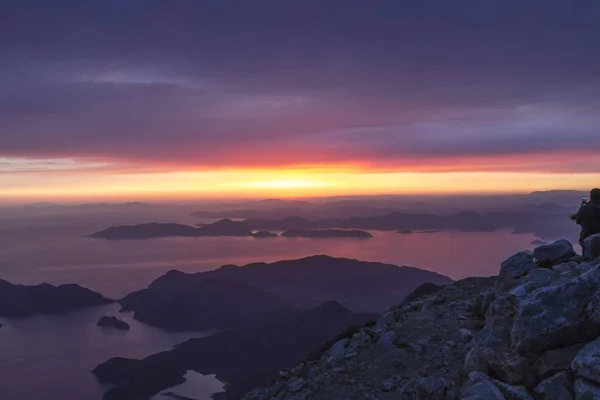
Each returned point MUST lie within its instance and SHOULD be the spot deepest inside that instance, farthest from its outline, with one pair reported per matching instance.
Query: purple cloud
(387, 85)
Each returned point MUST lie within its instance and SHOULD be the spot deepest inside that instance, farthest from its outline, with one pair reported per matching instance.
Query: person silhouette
(588, 217)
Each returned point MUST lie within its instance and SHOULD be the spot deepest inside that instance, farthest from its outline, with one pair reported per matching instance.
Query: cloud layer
(381, 85)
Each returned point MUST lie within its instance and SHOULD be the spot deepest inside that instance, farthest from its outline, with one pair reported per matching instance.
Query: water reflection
(116, 268)
(196, 387)
(51, 357)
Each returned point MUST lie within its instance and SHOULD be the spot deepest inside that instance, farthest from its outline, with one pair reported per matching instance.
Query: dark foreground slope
(234, 297)
(533, 332)
(243, 358)
(19, 301)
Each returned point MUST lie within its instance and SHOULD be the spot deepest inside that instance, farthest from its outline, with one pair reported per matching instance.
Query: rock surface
(113, 322)
(529, 333)
(592, 246)
(553, 252)
(557, 387)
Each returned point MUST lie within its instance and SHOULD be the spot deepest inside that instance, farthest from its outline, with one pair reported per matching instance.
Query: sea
(51, 357)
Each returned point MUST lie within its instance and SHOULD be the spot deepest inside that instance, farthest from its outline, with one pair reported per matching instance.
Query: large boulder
(509, 392)
(587, 362)
(513, 268)
(592, 246)
(338, 352)
(556, 360)
(556, 316)
(507, 303)
(557, 387)
(508, 367)
(586, 390)
(549, 254)
(484, 390)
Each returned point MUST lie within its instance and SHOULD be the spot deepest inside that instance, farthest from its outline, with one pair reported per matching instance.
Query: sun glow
(284, 184)
(105, 185)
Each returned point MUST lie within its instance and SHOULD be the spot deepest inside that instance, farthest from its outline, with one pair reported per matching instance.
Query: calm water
(51, 357)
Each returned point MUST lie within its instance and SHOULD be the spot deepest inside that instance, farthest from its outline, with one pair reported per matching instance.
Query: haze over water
(60, 253)
(43, 355)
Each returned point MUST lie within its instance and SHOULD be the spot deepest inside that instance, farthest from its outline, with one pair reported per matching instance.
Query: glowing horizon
(140, 100)
(80, 184)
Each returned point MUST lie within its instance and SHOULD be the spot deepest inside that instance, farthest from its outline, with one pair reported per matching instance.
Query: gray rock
(388, 385)
(430, 388)
(557, 387)
(483, 300)
(466, 335)
(592, 246)
(417, 349)
(475, 361)
(506, 305)
(387, 339)
(509, 367)
(297, 384)
(549, 254)
(556, 360)
(509, 392)
(496, 332)
(587, 362)
(484, 390)
(566, 267)
(337, 352)
(586, 390)
(551, 317)
(359, 340)
(513, 268)
(540, 277)
(385, 320)
(297, 370)
(517, 265)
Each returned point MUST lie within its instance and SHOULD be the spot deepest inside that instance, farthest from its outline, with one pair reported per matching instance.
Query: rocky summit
(530, 333)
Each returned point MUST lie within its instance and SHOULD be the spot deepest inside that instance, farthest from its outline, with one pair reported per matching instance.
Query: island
(179, 302)
(224, 227)
(406, 231)
(234, 297)
(20, 301)
(326, 233)
(533, 221)
(264, 234)
(113, 322)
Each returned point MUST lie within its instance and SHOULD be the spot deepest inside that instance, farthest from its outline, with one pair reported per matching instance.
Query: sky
(144, 99)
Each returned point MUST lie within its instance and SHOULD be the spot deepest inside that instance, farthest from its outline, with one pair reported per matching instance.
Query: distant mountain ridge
(237, 297)
(547, 220)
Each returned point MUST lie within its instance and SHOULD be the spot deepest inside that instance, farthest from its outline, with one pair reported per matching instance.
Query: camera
(584, 201)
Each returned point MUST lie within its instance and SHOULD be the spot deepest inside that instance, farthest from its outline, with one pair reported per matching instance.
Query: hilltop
(532, 332)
